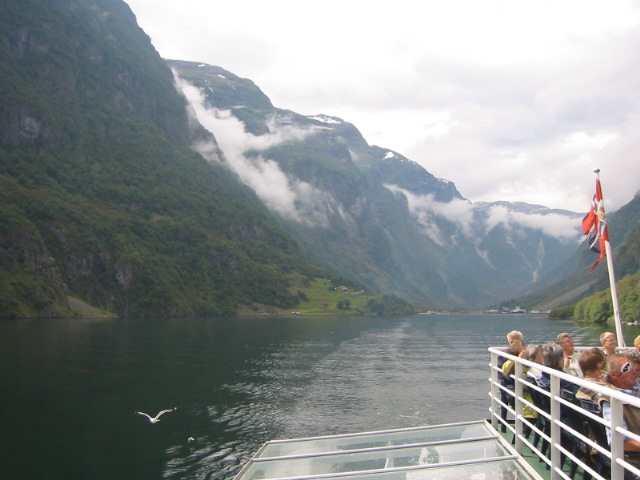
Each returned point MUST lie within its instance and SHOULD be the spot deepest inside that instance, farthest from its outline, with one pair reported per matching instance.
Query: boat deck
(542, 469)
(463, 450)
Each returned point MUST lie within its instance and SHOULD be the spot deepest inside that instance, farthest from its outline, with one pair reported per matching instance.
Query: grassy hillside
(322, 296)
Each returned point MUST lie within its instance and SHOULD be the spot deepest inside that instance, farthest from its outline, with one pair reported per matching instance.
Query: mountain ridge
(140, 192)
(358, 185)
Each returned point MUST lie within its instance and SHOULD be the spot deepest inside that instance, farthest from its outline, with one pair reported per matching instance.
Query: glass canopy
(471, 450)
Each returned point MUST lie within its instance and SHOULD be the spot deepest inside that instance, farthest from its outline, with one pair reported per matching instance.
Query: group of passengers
(618, 370)
(558, 355)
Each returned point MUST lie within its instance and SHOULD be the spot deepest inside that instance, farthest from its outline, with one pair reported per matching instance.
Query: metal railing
(561, 435)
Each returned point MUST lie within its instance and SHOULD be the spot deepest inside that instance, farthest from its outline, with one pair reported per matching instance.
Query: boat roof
(473, 450)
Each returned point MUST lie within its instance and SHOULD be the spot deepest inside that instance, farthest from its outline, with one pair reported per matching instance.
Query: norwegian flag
(594, 224)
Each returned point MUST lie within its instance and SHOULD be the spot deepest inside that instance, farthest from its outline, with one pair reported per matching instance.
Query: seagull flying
(156, 419)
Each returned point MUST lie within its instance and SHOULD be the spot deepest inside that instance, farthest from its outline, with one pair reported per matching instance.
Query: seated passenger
(515, 349)
(609, 343)
(515, 335)
(634, 356)
(592, 364)
(570, 363)
(553, 357)
(533, 353)
(508, 369)
(505, 380)
(512, 336)
(622, 376)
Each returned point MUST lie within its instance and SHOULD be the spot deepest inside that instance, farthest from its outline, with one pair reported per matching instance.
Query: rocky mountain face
(370, 213)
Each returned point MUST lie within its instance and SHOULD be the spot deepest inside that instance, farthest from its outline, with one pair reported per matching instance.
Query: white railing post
(556, 433)
(617, 440)
(519, 405)
(495, 391)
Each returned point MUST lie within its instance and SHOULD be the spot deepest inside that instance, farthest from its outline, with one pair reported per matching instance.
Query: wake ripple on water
(237, 383)
(398, 374)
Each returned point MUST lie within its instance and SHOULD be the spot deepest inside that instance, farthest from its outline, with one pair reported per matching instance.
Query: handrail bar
(376, 432)
(625, 397)
(378, 471)
(403, 446)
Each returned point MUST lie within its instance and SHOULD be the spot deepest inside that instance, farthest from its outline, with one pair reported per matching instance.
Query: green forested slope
(101, 197)
(599, 308)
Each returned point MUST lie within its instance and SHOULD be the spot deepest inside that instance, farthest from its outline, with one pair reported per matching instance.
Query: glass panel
(374, 440)
(375, 460)
(501, 470)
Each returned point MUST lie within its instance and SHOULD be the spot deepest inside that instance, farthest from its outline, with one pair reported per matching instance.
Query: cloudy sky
(509, 99)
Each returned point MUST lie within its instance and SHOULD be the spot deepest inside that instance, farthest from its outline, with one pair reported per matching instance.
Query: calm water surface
(70, 387)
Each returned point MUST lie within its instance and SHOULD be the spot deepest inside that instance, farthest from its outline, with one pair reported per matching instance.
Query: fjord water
(70, 387)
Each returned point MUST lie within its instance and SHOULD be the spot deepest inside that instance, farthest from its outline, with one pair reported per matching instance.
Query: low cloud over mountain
(476, 219)
(283, 193)
(371, 213)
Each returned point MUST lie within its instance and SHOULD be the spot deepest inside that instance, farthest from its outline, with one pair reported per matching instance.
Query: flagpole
(612, 281)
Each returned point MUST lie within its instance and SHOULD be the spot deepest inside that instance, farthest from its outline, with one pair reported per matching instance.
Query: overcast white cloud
(461, 213)
(510, 99)
(291, 197)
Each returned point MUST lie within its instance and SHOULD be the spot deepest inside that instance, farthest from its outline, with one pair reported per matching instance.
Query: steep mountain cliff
(102, 198)
(370, 213)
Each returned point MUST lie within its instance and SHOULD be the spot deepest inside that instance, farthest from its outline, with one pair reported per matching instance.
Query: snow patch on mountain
(326, 119)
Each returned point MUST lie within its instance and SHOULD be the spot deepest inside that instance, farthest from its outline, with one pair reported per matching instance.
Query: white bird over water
(156, 419)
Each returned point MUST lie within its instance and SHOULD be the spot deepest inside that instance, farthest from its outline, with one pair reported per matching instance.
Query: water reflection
(70, 387)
